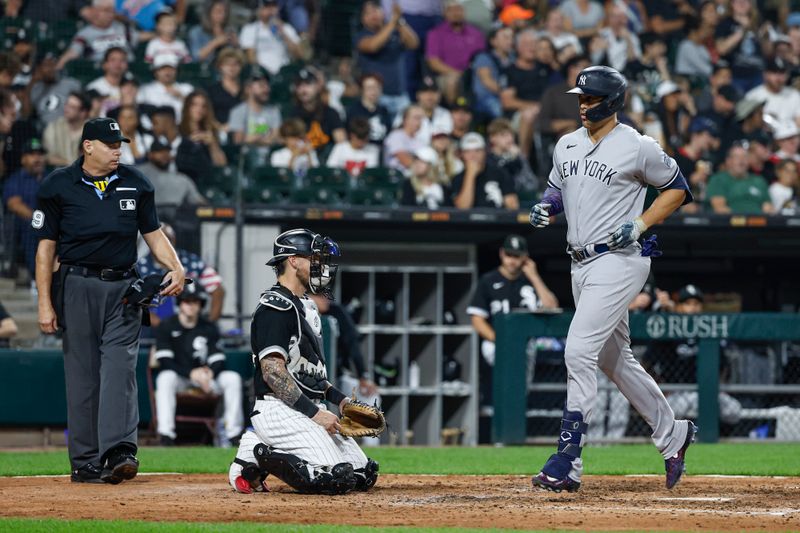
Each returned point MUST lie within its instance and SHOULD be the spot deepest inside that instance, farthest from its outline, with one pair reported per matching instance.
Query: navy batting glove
(540, 217)
(626, 234)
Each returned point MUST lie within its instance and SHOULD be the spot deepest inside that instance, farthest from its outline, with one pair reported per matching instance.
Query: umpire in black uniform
(88, 215)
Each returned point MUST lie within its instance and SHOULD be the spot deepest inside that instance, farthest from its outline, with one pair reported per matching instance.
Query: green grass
(774, 459)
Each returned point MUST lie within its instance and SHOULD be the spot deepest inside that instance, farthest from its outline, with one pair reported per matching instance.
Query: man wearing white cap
(787, 137)
(165, 90)
(781, 101)
(481, 185)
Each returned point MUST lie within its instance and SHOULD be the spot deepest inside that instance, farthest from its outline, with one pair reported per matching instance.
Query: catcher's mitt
(361, 420)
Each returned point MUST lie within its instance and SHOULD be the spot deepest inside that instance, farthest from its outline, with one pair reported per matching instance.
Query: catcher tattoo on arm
(276, 375)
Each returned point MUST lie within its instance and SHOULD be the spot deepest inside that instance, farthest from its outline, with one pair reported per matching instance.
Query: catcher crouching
(294, 437)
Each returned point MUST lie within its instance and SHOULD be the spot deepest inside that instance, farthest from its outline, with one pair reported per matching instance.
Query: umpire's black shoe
(120, 466)
(88, 473)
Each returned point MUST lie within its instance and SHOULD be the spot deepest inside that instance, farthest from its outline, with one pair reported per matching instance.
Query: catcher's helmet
(602, 81)
(320, 251)
(193, 291)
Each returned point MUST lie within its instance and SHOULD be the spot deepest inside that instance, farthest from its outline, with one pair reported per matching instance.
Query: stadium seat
(378, 195)
(319, 195)
(332, 178)
(219, 186)
(269, 185)
(83, 70)
(141, 71)
(256, 157)
(380, 176)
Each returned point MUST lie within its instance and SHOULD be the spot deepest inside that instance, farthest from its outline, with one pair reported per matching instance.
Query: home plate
(698, 499)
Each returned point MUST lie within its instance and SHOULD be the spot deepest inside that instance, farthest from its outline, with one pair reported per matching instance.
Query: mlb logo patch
(127, 205)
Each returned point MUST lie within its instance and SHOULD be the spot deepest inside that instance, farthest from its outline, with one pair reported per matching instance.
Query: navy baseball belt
(591, 250)
(105, 274)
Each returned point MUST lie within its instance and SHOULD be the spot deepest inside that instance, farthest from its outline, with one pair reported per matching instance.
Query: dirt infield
(618, 503)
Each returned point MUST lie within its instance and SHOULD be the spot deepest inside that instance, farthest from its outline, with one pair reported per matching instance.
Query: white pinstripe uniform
(276, 424)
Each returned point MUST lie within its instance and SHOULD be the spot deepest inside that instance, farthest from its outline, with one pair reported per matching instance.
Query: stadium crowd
(441, 102)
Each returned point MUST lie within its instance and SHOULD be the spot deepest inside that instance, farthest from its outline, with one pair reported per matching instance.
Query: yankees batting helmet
(602, 81)
(320, 251)
(193, 291)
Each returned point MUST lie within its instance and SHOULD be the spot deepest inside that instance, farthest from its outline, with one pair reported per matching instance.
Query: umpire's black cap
(515, 245)
(103, 129)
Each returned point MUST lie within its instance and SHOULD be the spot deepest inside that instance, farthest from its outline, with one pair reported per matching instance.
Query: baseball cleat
(243, 486)
(543, 481)
(676, 465)
(88, 473)
(120, 467)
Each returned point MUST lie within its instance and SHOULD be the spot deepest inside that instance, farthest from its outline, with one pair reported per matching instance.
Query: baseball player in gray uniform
(599, 180)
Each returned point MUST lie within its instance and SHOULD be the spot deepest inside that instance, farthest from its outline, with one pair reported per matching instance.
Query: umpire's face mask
(322, 269)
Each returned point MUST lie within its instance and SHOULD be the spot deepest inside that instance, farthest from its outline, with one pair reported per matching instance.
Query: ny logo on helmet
(582, 80)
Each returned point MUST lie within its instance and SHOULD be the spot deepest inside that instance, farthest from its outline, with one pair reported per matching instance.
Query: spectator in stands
(667, 18)
(401, 144)
(381, 47)
(482, 183)
(297, 14)
(526, 81)
(173, 188)
(583, 17)
(298, 155)
(723, 108)
(190, 354)
(695, 159)
(19, 132)
(47, 11)
(781, 102)
(99, 35)
(422, 16)
(144, 13)
(787, 138)
(50, 90)
(424, 186)
(9, 68)
(19, 197)
(513, 16)
(720, 76)
(567, 44)
(323, 124)
(368, 106)
(357, 153)
(448, 162)
(128, 96)
(165, 127)
(166, 40)
(227, 93)
(615, 45)
(749, 119)
(196, 268)
(559, 114)
(675, 111)
(135, 151)
(505, 153)
(647, 72)
(738, 43)
(8, 115)
(487, 72)
(165, 90)
(269, 41)
(759, 155)
(461, 116)
(8, 328)
(450, 47)
(214, 33)
(735, 190)
(341, 84)
(254, 121)
(783, 192)
(693, 57)
(436, 117)
(115, 65)
(62, 137)
(200, 150)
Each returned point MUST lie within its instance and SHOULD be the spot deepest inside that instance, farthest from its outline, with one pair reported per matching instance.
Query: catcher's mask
(320, 251)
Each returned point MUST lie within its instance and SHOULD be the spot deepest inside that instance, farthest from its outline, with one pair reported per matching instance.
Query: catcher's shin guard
(293, 471)
(367, 476)
(555, 472)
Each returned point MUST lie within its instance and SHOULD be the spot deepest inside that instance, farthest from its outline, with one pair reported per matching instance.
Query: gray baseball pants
(101, 346)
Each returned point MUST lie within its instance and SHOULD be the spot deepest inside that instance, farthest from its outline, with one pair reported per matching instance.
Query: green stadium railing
(515, 329)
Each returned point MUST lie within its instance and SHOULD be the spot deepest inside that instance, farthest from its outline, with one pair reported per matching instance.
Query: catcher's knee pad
(294, 471)
(367, 476)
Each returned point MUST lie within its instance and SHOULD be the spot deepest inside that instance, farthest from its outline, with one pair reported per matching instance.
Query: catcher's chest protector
(306, 361)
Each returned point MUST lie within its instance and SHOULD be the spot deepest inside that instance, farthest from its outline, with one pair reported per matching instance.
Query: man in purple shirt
(450, 47)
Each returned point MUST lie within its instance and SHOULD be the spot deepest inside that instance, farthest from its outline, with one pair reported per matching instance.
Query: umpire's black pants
(101, 345)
